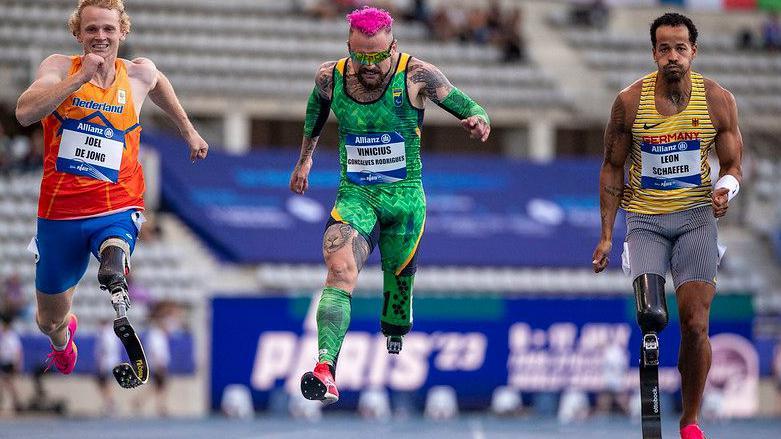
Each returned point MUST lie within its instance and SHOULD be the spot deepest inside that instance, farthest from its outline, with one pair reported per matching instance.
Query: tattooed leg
(345, 252)
(360, 251)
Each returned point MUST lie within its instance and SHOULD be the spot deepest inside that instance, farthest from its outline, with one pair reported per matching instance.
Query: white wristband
(730, 183)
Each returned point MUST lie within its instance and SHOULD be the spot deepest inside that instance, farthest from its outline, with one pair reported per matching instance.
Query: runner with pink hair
(369, 21)
(378, 95)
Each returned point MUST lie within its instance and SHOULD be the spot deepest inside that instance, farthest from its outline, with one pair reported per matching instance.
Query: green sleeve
(317, 109)
(462, 106)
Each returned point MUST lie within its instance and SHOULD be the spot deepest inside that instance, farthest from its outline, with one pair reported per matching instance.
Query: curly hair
(674, 19)
(74, 22)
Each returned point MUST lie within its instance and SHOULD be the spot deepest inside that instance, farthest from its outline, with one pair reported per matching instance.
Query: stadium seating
(254, 49)
(754, 77)
(247, 49)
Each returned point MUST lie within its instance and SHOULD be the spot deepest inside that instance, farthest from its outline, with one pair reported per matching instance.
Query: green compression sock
(333, 318)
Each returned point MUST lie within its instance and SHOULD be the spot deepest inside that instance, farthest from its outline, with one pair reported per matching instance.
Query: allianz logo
(364, 140)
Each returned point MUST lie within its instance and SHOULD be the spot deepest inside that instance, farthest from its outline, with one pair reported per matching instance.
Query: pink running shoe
(692, 431)
(65, 360)
(320, 385)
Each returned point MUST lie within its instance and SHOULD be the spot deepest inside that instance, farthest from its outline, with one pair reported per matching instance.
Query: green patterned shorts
(399, 211)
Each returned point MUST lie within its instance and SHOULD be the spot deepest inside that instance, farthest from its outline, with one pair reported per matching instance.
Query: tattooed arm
(618, 138)
(317, 109)
(427, 81)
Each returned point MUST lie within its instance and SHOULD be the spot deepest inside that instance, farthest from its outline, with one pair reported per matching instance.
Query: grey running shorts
(685, 243)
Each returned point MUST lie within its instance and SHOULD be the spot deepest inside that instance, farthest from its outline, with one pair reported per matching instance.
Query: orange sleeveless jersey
(91, 143)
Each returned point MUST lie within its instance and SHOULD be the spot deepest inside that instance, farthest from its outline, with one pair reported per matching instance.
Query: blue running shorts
(62, 247)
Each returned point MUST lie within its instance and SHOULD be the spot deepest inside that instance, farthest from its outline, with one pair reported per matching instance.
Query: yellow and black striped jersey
(668, 169)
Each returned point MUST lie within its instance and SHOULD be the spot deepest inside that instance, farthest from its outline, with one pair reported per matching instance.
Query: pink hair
(369, 21)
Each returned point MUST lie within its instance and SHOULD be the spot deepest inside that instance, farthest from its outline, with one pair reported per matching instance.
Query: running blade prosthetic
(135, 373)
(649, 388)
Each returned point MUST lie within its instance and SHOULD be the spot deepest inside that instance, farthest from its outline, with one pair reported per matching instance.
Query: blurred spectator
(40, 401)
(10, 361)
(713, 404)
(327, 9)
(388, 5)
(237, 402)
(599, 14)
(156, 344)
(590, 13)
(494, 15)
(21, 149)
(441, 403)
(33, 159)
(500, 28)
(506, 401)
(615, 365)
(5, 150)
(12, 299)
(107, 355)
(635, 405)
(771, 32)
(419, 11)
(456, 21)
(301, 408)
(476, 29)
(510, 38)
(573, 406)
(441, 26)
(745, 39)
(374, 403)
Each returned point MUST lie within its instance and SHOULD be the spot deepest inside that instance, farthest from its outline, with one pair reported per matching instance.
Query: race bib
(673, 165)
(90, 150)
(375, 158)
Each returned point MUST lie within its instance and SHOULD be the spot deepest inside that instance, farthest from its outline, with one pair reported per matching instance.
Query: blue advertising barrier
(36, 347)
(473, 344)
(480, 211)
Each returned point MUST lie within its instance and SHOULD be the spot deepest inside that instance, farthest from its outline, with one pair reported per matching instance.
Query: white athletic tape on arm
(730, 183)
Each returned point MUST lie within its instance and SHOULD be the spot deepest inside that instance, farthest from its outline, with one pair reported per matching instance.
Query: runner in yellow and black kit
(665, 124)
(377, 95)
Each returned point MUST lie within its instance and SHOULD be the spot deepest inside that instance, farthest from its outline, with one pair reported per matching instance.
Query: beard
(371, 78)
(672, 72)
